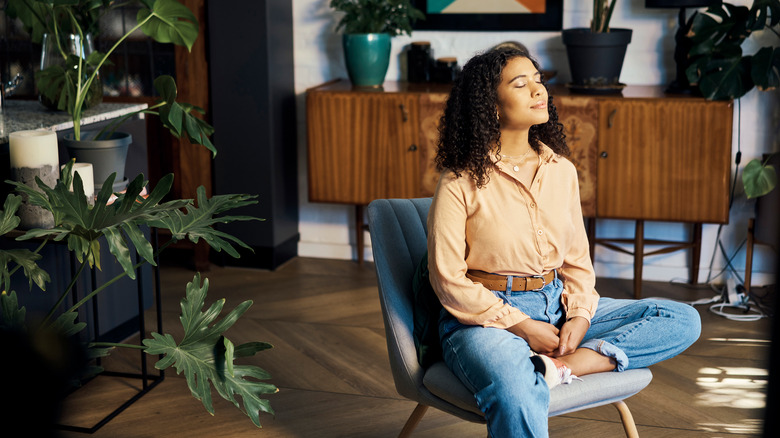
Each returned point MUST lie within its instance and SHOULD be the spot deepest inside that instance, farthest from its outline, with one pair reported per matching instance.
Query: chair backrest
(398, 229)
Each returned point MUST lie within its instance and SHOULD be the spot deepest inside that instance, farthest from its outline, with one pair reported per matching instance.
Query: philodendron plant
(70, 84)
(204, 354)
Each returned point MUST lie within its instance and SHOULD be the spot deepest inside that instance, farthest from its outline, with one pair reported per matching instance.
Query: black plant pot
(596, 59)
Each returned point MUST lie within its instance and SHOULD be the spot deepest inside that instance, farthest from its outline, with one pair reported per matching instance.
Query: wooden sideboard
(641, 155)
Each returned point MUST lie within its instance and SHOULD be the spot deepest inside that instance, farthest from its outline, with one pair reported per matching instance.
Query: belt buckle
(544, 283)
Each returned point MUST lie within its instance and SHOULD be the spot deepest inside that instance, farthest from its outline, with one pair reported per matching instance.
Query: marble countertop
(22, 115)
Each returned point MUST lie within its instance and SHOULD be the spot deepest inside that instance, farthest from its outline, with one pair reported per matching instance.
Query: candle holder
(34, 154)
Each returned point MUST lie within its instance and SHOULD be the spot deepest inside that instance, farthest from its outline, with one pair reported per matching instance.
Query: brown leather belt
(498, 282)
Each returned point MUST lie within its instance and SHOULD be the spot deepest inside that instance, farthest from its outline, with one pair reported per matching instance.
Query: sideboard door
(362, 146)
(664, 159)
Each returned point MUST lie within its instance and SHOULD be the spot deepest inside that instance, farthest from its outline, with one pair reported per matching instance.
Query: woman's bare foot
(586, 361)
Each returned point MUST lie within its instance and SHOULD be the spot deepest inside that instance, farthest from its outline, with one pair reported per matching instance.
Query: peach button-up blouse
(509, 229)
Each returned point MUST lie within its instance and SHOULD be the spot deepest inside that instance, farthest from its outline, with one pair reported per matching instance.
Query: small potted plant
(368, 27)
(71, 83)
(596, 53)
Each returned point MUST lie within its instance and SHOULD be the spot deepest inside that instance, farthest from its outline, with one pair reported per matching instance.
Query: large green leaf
(170, 22)
(28, 261)
(763, 10)
(197, 221)
(758, 178)
(12, 316)
(178, 116)
(204, 355)
(765, 71)
(22, 257)
(722, 79)
(8, 219)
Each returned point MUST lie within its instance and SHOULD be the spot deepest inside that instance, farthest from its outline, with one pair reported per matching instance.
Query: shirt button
(539, 232)
(533, 205)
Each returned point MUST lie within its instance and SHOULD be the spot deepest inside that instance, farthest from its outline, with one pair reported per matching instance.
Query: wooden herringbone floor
(330, 363)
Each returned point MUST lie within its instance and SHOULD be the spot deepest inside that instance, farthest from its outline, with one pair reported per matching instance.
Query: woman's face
(522, 98)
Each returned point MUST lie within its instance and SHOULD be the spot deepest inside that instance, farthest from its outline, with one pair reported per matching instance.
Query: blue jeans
(494, 363)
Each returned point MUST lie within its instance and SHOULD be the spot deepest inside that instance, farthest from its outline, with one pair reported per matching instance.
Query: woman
(509, 256)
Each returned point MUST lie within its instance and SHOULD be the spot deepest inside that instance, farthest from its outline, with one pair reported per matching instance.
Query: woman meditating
(509, 256)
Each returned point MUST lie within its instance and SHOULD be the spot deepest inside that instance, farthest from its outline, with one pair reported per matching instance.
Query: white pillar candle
(34, 154)
(86, 173)
(33, 149)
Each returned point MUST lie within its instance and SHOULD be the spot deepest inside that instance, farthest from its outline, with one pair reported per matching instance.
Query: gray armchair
(398, 231)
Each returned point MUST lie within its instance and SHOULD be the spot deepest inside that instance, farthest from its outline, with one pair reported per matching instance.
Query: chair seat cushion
(593, 390)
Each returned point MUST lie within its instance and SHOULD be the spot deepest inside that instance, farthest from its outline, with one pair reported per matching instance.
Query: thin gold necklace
(520, 157)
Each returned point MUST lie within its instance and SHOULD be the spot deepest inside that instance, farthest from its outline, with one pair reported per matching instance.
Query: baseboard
(262, 257)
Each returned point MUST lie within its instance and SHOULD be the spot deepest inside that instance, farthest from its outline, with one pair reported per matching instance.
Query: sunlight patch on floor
(734, 387)
(744, 427)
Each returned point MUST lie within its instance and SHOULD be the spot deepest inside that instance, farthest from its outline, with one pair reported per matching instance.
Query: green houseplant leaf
(394, 17)
(717, 64)
(12, 316)
(765, 68)
(196, 222)
(201, 355)
(21, 257)
(168, 21)
(758, 178)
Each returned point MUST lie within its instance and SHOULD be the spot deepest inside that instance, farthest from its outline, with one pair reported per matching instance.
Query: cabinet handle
(603, 154)
(404, 112)
(412, 148)
(611, 118)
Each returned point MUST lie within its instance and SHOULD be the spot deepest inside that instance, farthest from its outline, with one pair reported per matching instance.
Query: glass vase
(55, 53)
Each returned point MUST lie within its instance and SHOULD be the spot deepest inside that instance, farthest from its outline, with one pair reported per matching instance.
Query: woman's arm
(469, 302)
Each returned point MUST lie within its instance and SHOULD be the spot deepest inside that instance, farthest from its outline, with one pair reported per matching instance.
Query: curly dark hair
(469, 129)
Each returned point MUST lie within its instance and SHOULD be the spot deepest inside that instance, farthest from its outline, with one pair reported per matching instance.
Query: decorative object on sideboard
(368, 27)
(419, 62)
(596, 54)
(446, 70)
(682, 43)
(34, 157)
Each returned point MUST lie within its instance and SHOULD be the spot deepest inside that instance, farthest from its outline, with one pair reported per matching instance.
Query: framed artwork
(490, 15)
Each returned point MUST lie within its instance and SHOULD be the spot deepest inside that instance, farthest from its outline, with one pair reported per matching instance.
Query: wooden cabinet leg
(639, 255)
(591, 230)
(749, 254)
(695, 253)
(359, 233)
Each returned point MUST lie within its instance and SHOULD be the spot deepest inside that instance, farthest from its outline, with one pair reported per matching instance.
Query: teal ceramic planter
(367, 56)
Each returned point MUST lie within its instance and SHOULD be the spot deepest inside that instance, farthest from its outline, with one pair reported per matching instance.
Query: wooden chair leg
(627, 419)
(414, 420)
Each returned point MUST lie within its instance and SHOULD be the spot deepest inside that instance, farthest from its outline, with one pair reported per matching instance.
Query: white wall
(328, 230)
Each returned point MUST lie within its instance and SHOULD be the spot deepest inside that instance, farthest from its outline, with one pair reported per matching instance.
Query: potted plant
(722, 72)
(596, 54)
(204, 354)
(368, 27)
(69, 84)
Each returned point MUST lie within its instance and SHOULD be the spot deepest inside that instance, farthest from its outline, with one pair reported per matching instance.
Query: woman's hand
(571, 335)
(542, 337)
